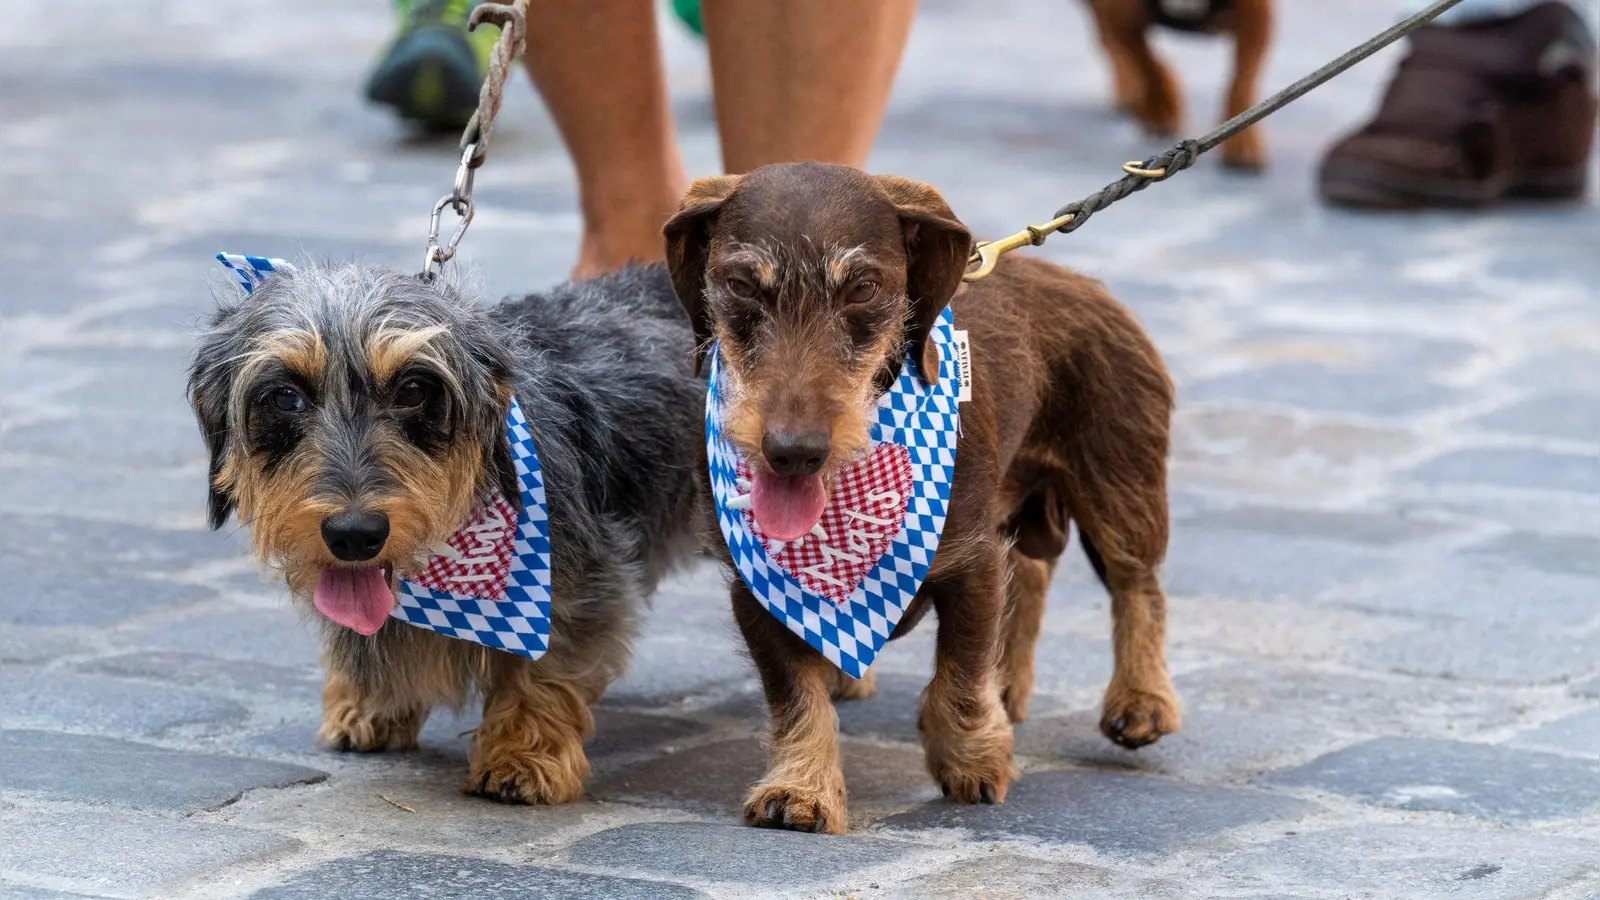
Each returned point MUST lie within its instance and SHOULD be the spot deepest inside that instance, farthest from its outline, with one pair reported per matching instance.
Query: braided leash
(480, 128)
(1140, 175)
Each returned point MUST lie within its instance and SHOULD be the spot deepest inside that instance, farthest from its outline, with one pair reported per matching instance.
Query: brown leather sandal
(1475, 114)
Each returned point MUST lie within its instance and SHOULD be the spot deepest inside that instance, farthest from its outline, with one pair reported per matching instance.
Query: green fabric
(689, 12)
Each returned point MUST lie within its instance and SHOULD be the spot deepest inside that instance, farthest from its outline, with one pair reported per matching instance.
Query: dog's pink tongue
(786, 507)
(358, 599)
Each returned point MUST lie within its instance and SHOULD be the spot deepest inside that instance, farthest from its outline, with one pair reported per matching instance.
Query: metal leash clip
(458, 200)
(986, 254)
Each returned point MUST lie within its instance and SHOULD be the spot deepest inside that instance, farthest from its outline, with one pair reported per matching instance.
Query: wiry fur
(819, 281)
(602, 375)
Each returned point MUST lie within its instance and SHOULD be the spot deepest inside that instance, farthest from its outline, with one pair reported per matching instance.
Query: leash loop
(510, 19)
(1140, 175)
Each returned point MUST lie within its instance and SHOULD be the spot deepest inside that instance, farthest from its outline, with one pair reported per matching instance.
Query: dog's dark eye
(412, 392)
(861, 292)
(287, 399)
(741, 288)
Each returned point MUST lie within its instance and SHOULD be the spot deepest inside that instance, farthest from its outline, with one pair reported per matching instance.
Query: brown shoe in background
(1476, 113)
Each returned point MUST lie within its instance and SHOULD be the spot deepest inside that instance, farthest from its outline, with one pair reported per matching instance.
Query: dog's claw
(986, 793)
(944, 786)
(775, 812)
(819, 824)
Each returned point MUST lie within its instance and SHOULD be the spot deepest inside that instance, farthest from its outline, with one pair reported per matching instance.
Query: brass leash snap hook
(987, 253)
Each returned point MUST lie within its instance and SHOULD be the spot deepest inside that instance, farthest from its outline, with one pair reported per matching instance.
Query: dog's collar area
(489, 583)
(844, 586)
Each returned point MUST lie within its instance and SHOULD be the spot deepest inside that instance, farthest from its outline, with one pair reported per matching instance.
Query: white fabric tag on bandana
(963, 366)
(845, 586)
(490, 582)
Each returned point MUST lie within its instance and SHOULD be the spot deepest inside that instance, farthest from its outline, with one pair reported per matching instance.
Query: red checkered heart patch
(476, 561)
(866, 510)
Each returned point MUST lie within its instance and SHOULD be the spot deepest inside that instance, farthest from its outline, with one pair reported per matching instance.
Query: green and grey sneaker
(432, 70)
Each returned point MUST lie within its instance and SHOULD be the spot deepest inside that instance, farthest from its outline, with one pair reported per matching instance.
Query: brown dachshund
(1146, 87)
(816, 280)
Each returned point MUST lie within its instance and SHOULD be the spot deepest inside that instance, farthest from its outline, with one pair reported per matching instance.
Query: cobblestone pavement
(1384, 569)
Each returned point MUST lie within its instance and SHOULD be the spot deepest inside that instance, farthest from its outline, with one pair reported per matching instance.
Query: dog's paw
(1015, 696)
(348, 726)
(846, 688)
(1135, 717)
(1245, 151)
(527, 775)
(972, 764)
(797, 808)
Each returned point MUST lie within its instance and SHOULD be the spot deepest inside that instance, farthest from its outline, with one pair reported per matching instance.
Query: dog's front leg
(529, 748)
(804, 787)
(365, 721)
(966, 734)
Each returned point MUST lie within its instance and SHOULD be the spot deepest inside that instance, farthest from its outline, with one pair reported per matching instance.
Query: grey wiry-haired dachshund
(354, 418)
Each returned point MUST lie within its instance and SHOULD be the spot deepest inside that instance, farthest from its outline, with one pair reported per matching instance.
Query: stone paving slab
(411, 875)
(85, 769)
(14, 892)
(113, 853)
(1577, 734)
(229, 675)
(760, 859)
(97, 703)
(1002, 876)
(1117, 815)
(1419, 861)
(713, 778)
(1482, 780)
(1213, 746)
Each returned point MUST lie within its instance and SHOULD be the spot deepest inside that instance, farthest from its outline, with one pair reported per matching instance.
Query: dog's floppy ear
(502, 381)
(688, 235)
(505, 472)
(937, 247)
(210, 393)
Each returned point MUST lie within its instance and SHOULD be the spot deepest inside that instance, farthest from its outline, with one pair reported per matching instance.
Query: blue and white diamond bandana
(490, 582)
(844, 587)
(252, 270)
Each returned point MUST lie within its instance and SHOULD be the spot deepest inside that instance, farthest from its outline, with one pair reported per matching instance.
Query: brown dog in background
(816, 280)
(1146, 87)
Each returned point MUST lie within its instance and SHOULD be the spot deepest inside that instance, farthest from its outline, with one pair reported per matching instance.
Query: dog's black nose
(355, 536)
(795, 453)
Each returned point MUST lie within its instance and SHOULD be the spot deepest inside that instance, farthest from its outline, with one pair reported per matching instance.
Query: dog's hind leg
(803, 789)
(1141, 704)
(844, 687)
(529, 748)
(1127, 85)
(1159, 103)
(966, 735)
(1251, 32)
(1026, 588)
